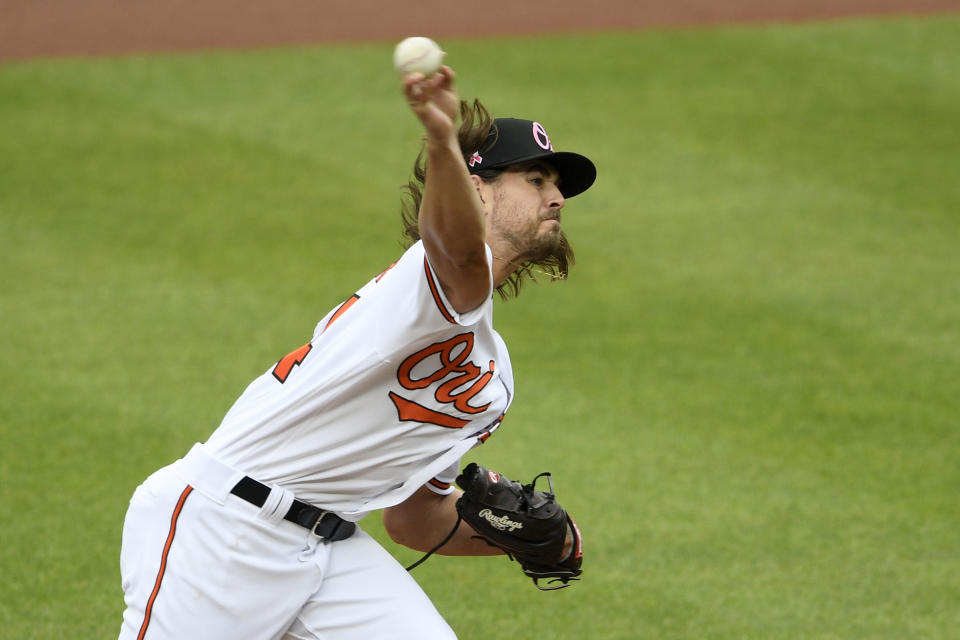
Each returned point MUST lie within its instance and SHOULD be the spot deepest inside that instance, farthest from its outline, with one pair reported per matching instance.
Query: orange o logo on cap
(540, 135)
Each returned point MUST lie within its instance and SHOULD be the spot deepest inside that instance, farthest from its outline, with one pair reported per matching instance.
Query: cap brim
(577, 173)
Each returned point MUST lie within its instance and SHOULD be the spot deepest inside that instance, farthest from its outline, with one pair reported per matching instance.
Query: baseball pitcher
(253, 533)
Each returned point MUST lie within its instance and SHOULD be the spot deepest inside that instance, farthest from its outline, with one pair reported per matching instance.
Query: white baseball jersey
(393, 388)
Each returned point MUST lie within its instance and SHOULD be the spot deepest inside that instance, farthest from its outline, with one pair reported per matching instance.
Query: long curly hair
(475, 124)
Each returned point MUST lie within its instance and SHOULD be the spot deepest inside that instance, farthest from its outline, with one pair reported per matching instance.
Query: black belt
(325, 524)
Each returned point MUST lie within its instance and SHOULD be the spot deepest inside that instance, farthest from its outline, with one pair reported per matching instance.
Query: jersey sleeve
(440, 299)
(410, 304)
(442, 483)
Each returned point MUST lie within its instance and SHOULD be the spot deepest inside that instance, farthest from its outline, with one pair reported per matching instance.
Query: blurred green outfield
(748, 391)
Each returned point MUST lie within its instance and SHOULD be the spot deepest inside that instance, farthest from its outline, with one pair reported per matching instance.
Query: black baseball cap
(512, 141)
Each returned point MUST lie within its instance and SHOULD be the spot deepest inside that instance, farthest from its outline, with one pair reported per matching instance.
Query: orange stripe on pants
(163, 560)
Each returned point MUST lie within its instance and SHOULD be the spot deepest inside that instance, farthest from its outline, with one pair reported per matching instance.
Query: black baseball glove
(528, 524)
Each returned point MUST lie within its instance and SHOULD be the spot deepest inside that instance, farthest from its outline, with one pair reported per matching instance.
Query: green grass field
(748, 391)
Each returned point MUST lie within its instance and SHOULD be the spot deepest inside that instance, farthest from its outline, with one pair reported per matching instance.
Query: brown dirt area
(43, 28)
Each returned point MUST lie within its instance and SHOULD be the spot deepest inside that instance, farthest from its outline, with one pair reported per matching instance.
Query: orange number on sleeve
(292, 359)
(289, 361)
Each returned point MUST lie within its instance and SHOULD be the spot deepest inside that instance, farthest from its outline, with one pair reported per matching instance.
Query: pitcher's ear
(478, 183)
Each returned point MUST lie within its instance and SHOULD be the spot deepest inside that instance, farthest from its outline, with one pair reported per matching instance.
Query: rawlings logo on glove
(528, 524)
(503, 523)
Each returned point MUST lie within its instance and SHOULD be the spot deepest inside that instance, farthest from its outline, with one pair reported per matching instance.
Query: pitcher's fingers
(442, 80)
(415, 87)
(413, 77)
(446, 77)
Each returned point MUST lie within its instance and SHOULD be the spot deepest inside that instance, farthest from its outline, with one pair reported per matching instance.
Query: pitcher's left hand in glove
(528, 524)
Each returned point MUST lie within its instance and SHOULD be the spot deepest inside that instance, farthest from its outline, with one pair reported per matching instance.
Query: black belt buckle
(317, 528)
(326, 524)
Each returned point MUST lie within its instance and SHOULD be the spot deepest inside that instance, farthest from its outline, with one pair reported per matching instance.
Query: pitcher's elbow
(399, 527)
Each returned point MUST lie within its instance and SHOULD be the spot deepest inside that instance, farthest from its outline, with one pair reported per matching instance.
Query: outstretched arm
(452, 221)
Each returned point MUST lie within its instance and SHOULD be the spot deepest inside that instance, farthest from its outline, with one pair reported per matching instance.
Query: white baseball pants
(200, 563)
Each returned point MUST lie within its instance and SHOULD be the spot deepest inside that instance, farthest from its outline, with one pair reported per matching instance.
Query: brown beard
(556, 257)
(554, 262)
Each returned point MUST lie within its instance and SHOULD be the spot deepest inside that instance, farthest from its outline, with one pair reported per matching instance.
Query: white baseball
(417, 54)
